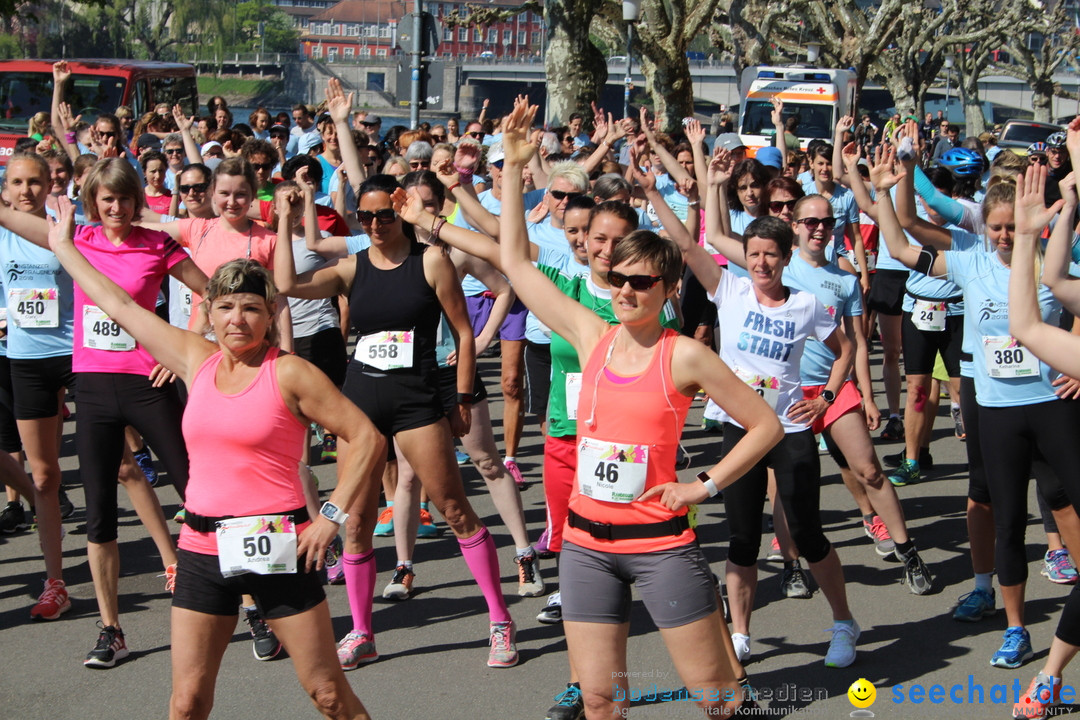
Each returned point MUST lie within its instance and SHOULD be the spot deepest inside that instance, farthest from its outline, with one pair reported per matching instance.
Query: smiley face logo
(862, 693)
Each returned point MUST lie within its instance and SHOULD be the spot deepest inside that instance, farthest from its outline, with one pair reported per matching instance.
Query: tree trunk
(671, 88)
(576, 71)
(902, 93)
(1042, 100)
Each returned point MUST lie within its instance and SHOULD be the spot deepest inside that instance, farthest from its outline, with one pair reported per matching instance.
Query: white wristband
(710, 484)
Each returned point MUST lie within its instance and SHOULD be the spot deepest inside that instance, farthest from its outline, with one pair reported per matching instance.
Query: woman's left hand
(161, 375)
(805, 412)
(675, 495)
(63, 230)
(312, 542)
(461, 420)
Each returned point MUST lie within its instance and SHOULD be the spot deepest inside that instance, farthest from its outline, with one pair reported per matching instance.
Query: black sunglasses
(641, 283)
(1038, 159)
(384, 216)
(811, 223)
(561, 195)
(778, 205)
(419, 164)
(476, 134)
(174, 151)
(498, 164)
(197, 187)
(265, 167)
(106, 133)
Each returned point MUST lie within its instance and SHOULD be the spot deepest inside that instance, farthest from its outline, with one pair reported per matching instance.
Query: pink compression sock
(360, 585)
(483, 562)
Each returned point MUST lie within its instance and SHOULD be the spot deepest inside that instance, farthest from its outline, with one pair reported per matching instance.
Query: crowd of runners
(184, 275)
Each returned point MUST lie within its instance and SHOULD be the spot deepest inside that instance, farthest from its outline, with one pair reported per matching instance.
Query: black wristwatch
(828, 396)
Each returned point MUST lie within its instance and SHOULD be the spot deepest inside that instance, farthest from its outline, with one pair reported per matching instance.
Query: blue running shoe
(1015, 649)
(906, 474)
(146, 464)
(974, 606)
(384, 526)
(462, 458)
(1058, 568)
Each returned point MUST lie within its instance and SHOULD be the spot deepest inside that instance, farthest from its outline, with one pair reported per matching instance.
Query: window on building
(478, 35)
(508, 37)
(316, 51)
(536, 38)
(448, 35)
(331, 54)
(522, 37)
(349, 53)
(463, 34)
(384, 32)
(381, 52)
(354, 30)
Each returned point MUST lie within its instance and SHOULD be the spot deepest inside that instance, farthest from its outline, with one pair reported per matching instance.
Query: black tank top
(397, 299)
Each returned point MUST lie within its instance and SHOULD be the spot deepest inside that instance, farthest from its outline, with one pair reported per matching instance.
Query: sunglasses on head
(265, 167)
(811, 223)
(640, 283)
(778, 205)
(174, 151)
(561, 195)
(197, 187)
(384, 216)
(1038, 159)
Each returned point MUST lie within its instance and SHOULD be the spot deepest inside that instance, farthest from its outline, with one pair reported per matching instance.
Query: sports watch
(333, 513)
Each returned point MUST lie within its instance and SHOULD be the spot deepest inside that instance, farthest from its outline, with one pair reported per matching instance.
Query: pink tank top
(245, 450)
(634, 419)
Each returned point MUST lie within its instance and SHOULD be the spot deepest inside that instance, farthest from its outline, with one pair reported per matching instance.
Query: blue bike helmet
(962, 162)
(1037, 148)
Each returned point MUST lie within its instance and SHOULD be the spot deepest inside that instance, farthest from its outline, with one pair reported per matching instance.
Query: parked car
(1017, 135)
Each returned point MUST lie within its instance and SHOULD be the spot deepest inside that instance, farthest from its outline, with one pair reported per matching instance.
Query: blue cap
(770, 157)
(308, 141)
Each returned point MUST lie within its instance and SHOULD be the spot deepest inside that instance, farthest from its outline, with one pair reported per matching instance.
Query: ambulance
(818, 97)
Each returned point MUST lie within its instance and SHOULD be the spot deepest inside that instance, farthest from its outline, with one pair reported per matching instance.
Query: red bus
(96, 87)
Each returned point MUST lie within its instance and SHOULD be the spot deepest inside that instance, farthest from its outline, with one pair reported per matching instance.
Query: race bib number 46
(260, 544)
(612, 472)
(387, 350)
(1006, 358)
(102, 333)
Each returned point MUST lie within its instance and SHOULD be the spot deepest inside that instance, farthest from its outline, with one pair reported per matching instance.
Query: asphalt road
(433, 647)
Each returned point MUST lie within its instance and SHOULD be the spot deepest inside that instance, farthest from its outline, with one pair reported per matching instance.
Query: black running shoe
(110, 649)
(265, 645)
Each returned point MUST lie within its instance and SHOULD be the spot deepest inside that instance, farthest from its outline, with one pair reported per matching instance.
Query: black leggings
(1010, 438)
(797, 467)
(107, 403)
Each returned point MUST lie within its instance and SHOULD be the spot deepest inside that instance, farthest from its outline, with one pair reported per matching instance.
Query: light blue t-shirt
(985, 281)
(554, 249)
(840, 293)
(925, 287)
(356, 243)
(740, 219)
(33, 274)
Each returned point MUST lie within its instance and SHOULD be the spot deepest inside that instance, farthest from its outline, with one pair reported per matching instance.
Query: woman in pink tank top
(254, 538)
(627, 511)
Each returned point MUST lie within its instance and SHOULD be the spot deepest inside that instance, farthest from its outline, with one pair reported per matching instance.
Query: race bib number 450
(612, 472)
(32, 308)
(260, 544)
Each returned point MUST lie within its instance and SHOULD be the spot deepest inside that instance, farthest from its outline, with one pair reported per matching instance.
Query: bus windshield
(815, 121)
(24, 93)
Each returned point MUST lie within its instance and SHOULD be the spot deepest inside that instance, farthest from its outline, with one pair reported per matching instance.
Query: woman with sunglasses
(118, 383)
(764, 329)
(627, 514)
(397, 290)
(1019, 410)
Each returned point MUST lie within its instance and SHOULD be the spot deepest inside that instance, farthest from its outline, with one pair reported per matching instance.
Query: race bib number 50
(612, 472)
(260, 544)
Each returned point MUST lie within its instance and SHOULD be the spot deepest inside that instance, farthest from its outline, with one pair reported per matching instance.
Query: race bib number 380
(612, 472)
(100, 332)
(1006, 358)
(260, 544)
(387, 350)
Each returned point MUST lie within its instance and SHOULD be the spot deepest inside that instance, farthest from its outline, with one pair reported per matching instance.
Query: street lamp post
(631, 11)
(950, 61)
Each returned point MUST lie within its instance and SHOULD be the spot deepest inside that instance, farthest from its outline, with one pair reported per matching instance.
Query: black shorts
(326, 351)
(201, 588)
(697, 310)
(448, 387)
(37, 384)
(887, 292)
(10, 441)
(537, 378)
(921, 347)
(395, 402)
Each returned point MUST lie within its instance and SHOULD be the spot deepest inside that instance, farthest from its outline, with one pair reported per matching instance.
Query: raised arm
(1056, 347)
(925, 232)
(468, 241)
(340, 105)
(779, 140)
(579, 326)
(463, 193)
(842, 125)
(443, 277)
(885, 177)
(494, 281)
(29, 227)
(60, 115)
(179, 350)
(184, 123)
(1059, 249)
(328, 281)
(675, 170)
(850, 156)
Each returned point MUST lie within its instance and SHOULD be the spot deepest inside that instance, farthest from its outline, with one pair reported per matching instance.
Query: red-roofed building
(354, 29)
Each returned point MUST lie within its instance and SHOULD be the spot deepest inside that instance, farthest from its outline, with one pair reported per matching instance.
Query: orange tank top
(628, 435)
